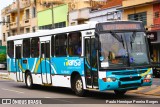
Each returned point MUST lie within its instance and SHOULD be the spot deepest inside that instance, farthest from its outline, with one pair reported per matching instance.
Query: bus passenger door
(19, 69)
(45, 62)
(91, 72)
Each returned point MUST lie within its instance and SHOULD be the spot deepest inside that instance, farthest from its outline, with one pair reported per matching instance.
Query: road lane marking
(12, 90)
(153, 91)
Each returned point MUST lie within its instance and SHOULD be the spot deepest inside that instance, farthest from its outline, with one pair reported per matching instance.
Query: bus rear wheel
(28, 80)
(120, 92)
(78, 86)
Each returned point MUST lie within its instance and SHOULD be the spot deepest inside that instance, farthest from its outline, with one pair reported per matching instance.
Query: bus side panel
(34, 65)
(24, 64)
(62, 68)
(11, 67)
(66, 65)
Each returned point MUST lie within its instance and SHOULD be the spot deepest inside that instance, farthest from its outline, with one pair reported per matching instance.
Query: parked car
(156, 69)
(3, 66)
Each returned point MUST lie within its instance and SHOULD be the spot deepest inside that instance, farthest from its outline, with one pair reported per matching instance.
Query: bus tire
(29, 80)
(120, 92)
(78, 86)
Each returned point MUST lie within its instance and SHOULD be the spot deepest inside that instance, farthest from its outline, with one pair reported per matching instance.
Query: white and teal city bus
(94, 56)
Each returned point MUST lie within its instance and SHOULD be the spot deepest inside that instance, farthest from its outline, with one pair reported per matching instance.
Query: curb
(4, 75)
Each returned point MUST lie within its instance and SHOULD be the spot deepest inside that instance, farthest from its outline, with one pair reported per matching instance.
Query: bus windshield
(123, 49)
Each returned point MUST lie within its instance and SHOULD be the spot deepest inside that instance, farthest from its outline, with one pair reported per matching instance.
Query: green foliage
(2, 57)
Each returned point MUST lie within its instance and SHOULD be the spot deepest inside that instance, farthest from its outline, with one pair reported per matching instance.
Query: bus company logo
(75, 63)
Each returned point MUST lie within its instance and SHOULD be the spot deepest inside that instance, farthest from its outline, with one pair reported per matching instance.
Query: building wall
(106, 15)
(147, 8)
(127, 3)
(60, 14)
(156, 17)
(78, 15)
(24, 22)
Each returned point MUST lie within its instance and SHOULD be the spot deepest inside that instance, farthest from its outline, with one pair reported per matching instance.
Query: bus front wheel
(120, 92)
(78, 86)
(29, 81)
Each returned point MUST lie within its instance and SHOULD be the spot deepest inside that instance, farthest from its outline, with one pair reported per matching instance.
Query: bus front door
(18, 60)
(45, 62)
(91, 72)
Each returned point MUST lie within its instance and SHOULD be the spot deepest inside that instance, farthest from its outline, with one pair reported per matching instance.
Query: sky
(4, 3)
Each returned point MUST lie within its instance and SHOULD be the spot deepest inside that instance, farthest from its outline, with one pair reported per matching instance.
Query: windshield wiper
(120, 39)
(132, 38)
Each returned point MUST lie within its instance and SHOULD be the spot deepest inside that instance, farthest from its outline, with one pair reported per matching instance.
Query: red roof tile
(112, 3)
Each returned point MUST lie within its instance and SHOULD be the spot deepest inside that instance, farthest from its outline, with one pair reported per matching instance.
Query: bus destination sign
(121, 26)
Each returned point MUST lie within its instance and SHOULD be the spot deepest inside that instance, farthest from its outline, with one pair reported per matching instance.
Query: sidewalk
(4, 75)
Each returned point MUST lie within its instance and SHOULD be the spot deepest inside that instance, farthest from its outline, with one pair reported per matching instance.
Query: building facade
(19, 18)
(155, 32)
(52, 17)
(107, 12)
(97, 12)
(146, 11)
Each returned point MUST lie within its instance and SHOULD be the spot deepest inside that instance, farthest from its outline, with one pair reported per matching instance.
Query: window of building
(60, 25)
(4, 37)
(8, 20)
(27, 30)
(61, 45)
(139, 17)
(3, 21)
(74, 44)
(35, 47)
(33, 12)
(26, 48)
(156, 14)
(33, 29)
(56, 25)
(8, 34)
(27, 14)
(10, 48)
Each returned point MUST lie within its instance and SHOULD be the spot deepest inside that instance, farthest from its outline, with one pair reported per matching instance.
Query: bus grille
(130, 78)
(130, 85)
(129, 72)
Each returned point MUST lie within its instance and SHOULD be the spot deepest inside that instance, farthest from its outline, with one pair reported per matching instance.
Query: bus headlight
(109, 79)
(149, 76)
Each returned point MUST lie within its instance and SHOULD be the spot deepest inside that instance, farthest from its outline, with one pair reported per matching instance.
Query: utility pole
(18, 18)
(52, 16)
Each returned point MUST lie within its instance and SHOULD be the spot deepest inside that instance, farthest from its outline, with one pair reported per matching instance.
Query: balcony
(13, 25)
(13, 7)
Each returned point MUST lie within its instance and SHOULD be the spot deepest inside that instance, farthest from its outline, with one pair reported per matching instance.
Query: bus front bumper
(121, 85)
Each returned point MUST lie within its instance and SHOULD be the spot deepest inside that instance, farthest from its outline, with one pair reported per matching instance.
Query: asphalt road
(11, 89)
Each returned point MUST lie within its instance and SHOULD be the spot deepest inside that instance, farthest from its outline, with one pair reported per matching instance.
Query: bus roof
(89, 25)
(54, 31)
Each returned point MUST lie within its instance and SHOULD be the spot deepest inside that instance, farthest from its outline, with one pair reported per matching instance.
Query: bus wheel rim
(79, 85)
(28, 80)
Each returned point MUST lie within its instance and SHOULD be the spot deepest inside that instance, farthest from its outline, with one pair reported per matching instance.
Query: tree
(2, 58)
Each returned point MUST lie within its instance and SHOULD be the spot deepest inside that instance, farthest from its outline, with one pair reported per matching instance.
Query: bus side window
(10, 48)
(35, 47)
(52, 45)
(75, 44)
(26, 48)
(61, 45)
